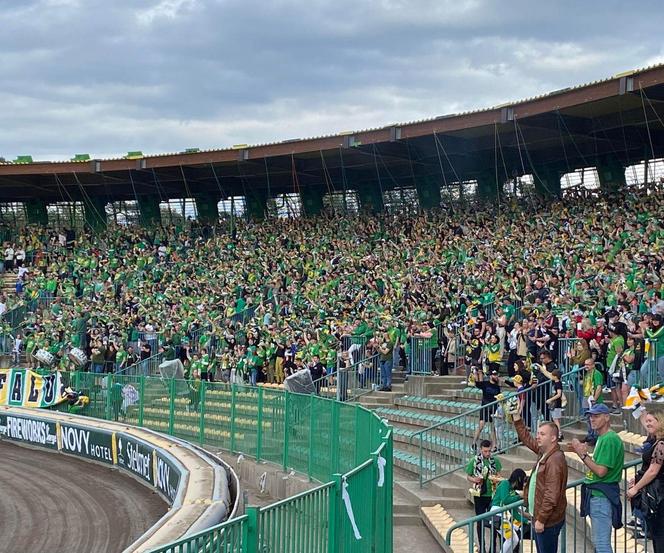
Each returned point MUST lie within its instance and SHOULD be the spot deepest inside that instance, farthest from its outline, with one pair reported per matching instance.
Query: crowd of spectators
(493, 291)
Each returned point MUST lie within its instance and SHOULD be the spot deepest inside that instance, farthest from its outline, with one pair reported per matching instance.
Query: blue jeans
(97, 368)
(252, 375)
(600, 517)
(547, 541)
(386, 374)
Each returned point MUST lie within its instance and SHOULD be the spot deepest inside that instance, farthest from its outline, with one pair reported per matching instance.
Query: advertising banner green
(83, 442)
(167, 476)
(29, 430)
(135, 456)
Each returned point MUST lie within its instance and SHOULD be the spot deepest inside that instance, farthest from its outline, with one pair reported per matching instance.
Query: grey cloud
(107, 77)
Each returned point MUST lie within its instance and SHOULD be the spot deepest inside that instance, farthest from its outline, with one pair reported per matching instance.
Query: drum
(78, 357)
(46, 358)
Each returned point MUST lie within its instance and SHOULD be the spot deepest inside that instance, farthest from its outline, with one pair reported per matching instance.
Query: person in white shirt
(19, 255)
(23, 272)
(9, 258)
(18, 343)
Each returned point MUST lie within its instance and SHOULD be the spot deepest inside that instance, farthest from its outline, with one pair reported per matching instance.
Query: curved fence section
(344, 446)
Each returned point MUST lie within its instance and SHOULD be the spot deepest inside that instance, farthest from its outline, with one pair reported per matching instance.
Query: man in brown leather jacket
(547, 501)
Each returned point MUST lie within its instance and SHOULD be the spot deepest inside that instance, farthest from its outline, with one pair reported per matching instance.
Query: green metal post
(421, 465)
(109, 388)
(141, 400)
(334, 457)
(171, 408)
(201, 404)
(232, 418)
(389, 492)
(333, 508)
(310, 456)
(250, 538)
(259, 431)
(286, 428)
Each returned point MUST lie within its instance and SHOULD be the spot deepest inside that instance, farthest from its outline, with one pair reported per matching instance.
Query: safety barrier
(343, 445)
(144, 367)
(356, 346)
(446, 446)
(651, 371)
(15, 316)
(349, 383)
(565, 348)
(490, 531)
(7, 341)
(420, 353)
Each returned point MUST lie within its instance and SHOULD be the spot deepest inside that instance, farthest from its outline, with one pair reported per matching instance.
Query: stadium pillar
(547, 182)
(149, 210)
(611, 175)
(486, 187)
(206, 206)
(36, 212)
(312, 199)
(256, 204)
(428, 191)
(371, 198)
(95, 213)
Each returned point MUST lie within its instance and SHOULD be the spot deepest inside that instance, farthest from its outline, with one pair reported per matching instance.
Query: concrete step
(405, 508)
(431, 495)
(407, 520)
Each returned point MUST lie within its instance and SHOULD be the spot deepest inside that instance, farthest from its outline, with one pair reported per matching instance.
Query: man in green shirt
(593, 383)
(480, 470)
(613, 353)
(603, 477)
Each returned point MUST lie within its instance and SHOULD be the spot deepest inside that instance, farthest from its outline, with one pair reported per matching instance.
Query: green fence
(344, 446)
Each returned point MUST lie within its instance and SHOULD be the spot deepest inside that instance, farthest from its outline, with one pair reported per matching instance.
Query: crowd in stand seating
(289, 289)
(266, 299)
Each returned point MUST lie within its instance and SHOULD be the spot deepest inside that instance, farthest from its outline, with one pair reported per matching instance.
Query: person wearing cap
(600, 491)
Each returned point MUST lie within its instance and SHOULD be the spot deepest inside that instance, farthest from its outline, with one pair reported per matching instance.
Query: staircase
(8, 283)
(423, 401)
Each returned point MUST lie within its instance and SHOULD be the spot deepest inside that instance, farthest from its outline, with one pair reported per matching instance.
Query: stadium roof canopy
(620, 119)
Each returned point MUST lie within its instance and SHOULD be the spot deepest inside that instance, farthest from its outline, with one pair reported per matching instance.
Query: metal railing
(15, 316)
(345, 446)
(144, 367)
(446, 446)
(349, 383)
(505, 528)
(421, 353)
(565, 347)
(651, 371)
(7, 342)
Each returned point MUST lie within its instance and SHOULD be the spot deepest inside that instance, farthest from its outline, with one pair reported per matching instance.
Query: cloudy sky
(105, 77)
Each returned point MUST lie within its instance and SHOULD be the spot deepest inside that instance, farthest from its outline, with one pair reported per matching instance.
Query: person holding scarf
(481, 470)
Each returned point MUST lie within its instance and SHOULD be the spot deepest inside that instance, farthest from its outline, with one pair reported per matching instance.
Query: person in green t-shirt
(508, 492)
(480, 471)
(604, 474)
(613, 354)
(593, 382)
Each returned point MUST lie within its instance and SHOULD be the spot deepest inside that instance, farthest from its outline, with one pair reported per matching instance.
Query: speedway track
(53, 503)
